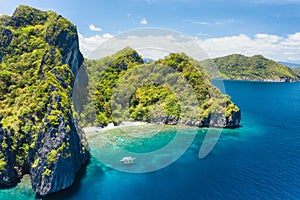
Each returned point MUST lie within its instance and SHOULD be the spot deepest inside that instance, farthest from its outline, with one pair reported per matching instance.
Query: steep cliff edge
(39, 58)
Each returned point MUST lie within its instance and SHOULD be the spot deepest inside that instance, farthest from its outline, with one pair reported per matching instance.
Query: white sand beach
(95, 129)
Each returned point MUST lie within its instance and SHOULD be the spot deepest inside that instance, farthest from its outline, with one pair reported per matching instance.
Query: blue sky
(204, 19)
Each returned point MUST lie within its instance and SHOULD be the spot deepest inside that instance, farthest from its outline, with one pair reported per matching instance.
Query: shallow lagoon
(259, 160)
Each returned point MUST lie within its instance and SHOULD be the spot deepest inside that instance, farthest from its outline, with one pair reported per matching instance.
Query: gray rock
(8, 175)
(68, 160)
(217, 120)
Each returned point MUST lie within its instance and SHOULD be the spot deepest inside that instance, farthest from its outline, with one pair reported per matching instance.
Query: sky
(222, 27)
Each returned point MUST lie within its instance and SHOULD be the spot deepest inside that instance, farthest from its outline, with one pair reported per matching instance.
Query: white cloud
(200, 22)
(94, 28)
(107, 36)
(144, 21)
(276, 47)
(218, 22)
(151, 43)
(228, 21)
(202, 34)
(279, 48)
(88, 44)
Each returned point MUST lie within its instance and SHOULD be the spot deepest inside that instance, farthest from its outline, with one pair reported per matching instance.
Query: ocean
(260, 160)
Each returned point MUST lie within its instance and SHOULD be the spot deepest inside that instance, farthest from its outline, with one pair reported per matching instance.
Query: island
(256, 68)
(153, 97)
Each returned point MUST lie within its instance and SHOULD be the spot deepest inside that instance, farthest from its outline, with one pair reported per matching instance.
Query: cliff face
(39, 59)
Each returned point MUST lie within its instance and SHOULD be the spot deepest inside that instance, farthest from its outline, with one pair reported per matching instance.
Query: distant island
(290, 65)
(258, 68)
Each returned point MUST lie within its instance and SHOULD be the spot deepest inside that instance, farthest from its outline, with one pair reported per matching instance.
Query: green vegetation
(35, 163)
(34, 77)
(52, 156)
(110, 69)
(63, 149)
(257, 67)
(148, 95)
(47, 172)
(2, 164)
(176, 87)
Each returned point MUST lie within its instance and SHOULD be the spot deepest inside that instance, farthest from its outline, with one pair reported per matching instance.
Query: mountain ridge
(257, 67)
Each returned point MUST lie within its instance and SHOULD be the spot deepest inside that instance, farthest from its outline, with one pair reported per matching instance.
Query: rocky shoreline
(283, 80)
(213, 121)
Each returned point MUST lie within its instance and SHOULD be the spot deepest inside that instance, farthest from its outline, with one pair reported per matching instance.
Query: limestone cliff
(39, 60)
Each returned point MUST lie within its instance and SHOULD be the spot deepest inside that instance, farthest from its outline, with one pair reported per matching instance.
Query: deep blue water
(260, 160)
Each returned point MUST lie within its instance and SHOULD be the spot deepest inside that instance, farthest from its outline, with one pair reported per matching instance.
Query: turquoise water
(260, 160)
